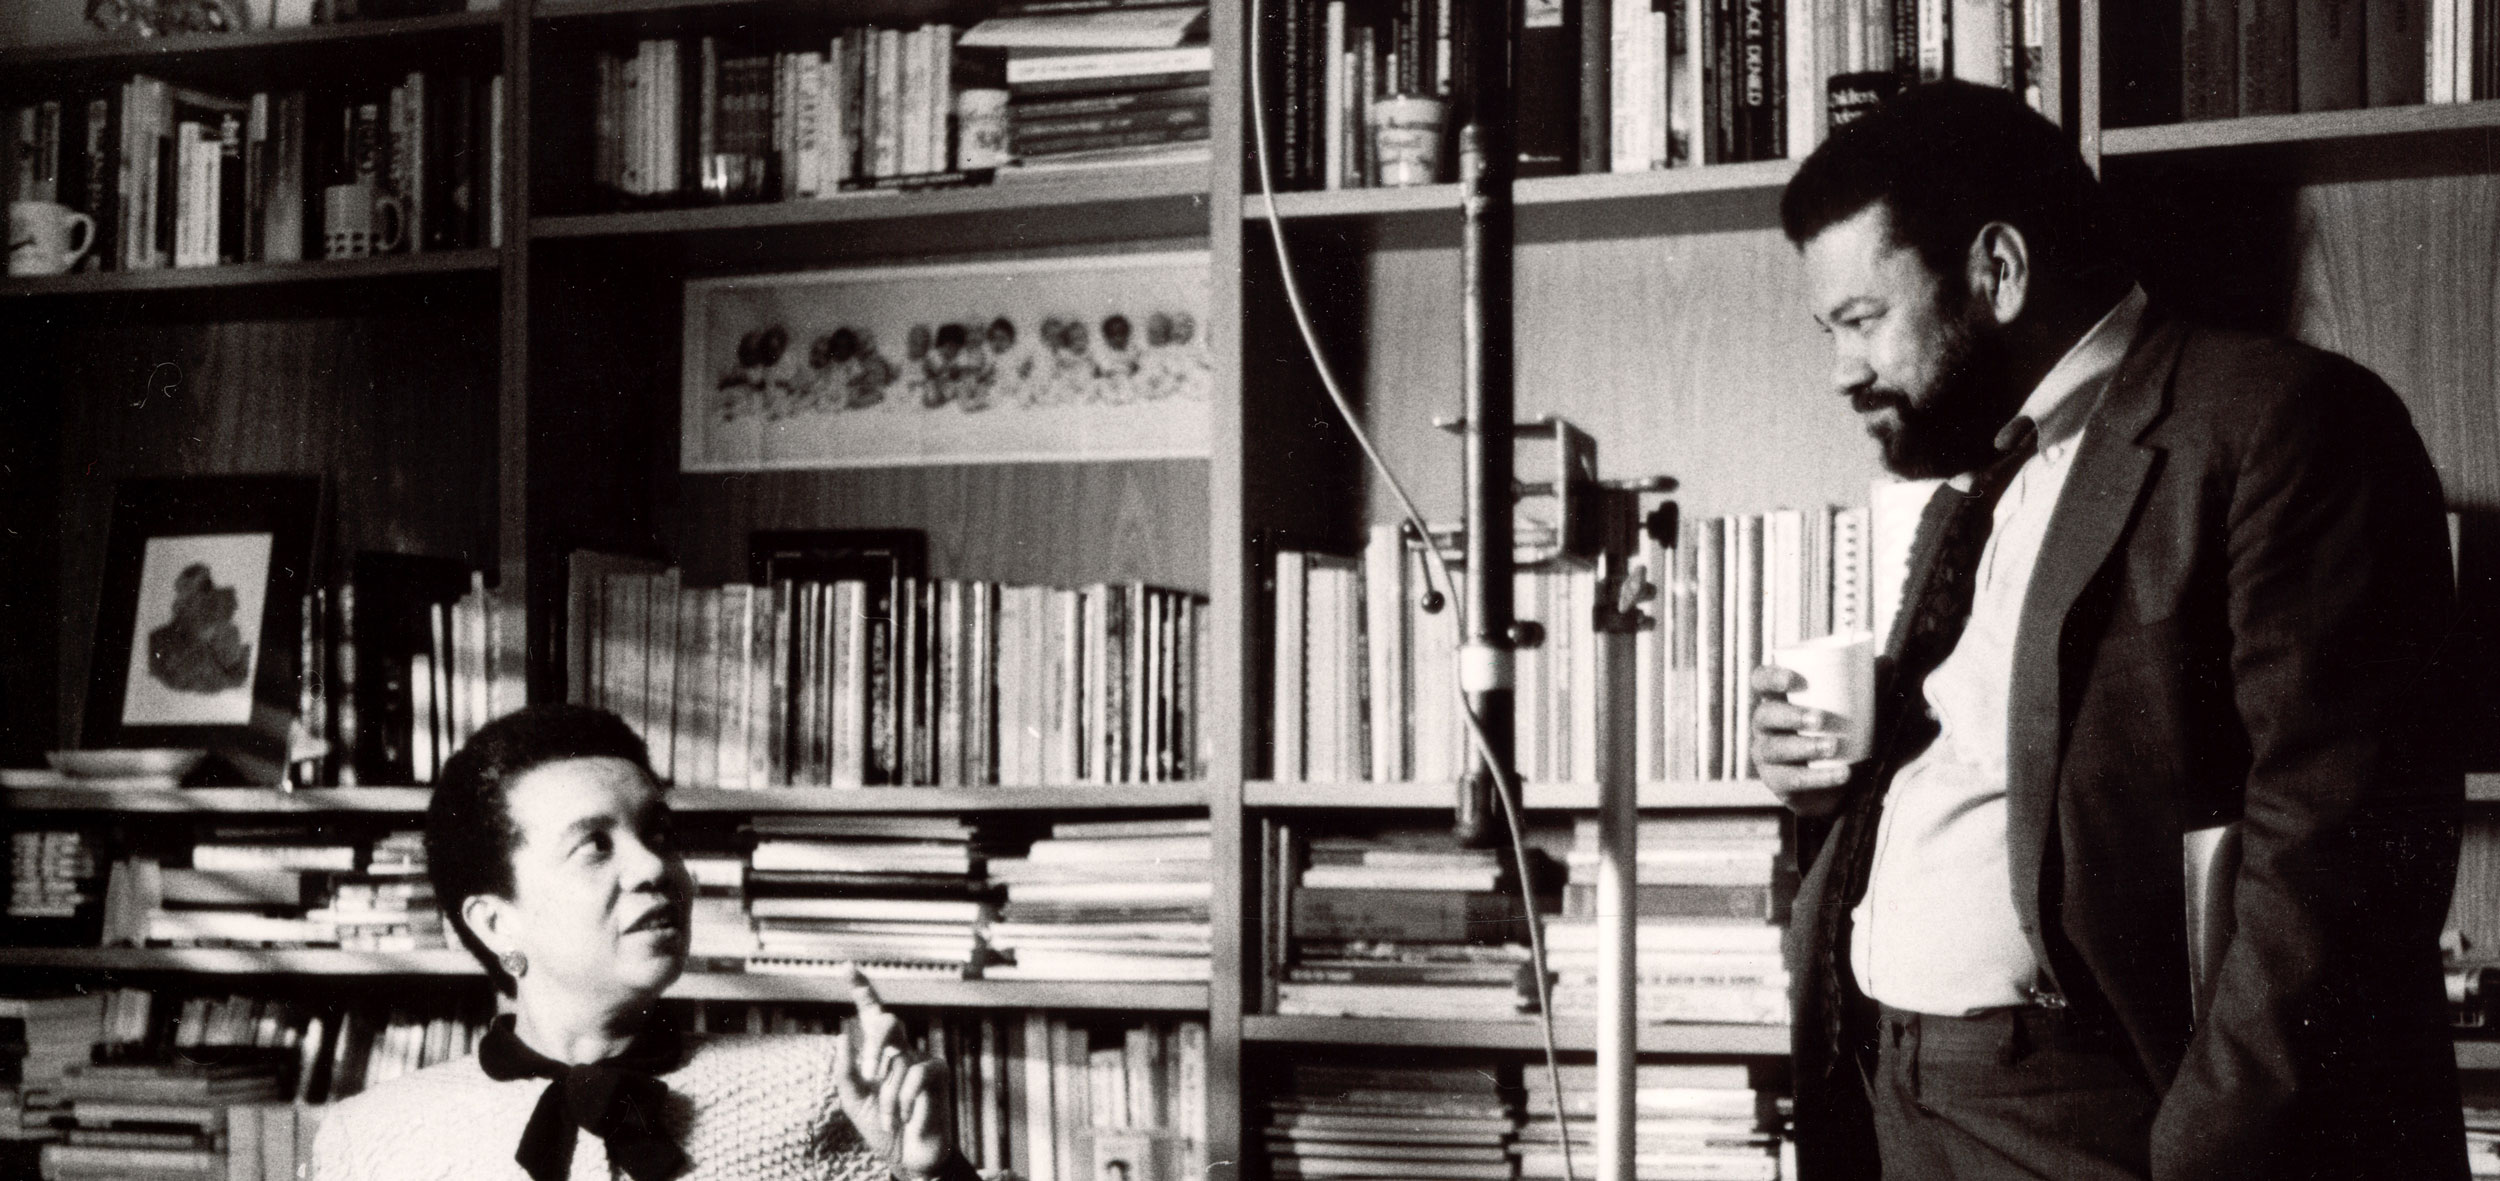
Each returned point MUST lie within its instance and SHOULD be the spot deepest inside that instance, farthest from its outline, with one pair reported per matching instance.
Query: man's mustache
(1868, 400)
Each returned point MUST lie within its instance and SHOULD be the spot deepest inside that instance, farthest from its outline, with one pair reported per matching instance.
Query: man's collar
(2072, 387)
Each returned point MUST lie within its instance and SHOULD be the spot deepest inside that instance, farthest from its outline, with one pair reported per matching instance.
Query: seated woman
(548, 842)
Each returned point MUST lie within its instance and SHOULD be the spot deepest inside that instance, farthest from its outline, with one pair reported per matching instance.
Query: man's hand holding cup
(1814, 718)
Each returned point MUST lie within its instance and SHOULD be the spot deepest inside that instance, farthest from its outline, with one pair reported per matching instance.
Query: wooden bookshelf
(1268, 793)
(239, 276)
(740, 986)
(142, 53)
(411, 800)
(1521, 1034)
(1111, 798)
(217, 800)
(1537, 191)
(1159, 198)
(2307, 128)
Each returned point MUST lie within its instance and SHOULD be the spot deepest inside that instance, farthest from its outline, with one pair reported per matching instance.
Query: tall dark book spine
(1595, 24)
(1547, 65)
(100, 191)
(2268, 57)
(233, 191)
(2392, 32)
(2209, 59)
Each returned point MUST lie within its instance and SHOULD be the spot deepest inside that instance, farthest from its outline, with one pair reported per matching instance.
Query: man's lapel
(2110, 468)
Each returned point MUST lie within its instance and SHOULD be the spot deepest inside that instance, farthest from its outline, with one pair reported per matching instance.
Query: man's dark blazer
(2236, 613)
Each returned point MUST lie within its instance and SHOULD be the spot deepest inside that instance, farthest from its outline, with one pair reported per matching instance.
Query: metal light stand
(1598, 524)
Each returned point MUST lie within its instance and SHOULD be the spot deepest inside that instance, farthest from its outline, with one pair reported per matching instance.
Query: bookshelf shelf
(952, 994)
(216, 800)
(138, 53)
(410, 800)
(1546, 190)
(257, 274)
(323, 961)
(1118, 200)
(1522, 1034)
(2314, 127)
(1741, 793)
(943, 799)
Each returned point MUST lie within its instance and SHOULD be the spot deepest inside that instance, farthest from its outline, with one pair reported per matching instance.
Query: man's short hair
(1947, 158)
(469, 835)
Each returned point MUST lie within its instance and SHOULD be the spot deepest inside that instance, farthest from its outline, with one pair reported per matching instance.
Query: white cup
(1406, 134)
(1839, 675)
(46, 238)
(358, 221)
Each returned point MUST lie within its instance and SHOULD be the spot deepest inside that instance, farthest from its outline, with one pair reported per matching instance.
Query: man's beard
(1953, 428)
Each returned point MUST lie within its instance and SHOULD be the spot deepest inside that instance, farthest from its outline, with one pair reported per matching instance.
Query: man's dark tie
(1952, 535)
(620, 1100)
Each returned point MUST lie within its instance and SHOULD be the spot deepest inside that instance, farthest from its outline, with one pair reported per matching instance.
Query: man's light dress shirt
(1937, 931)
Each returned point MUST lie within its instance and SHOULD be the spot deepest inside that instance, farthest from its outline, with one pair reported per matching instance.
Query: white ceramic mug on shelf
(357, 221)
(47, 238)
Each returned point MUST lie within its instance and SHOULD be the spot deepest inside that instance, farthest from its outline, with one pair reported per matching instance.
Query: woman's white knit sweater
(743, 1108)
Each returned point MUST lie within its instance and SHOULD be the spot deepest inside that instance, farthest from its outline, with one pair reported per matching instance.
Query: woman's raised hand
(894, 1095)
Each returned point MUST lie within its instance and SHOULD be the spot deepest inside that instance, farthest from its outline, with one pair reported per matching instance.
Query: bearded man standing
(2177, 578)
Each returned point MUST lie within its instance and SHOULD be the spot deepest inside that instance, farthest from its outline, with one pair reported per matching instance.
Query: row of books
(180, 177)
(2272, 57)
(294, 14)
(138, 1083)
(902, 681)
(402, 661)
(267, 888)
(1680, 82)
(1107, 900)
(1042, 1096)
(1400, 925)
(704, 118)
(1364, 674)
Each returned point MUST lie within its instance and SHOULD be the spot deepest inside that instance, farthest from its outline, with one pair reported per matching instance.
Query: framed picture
(1032, 361)
(198, 627)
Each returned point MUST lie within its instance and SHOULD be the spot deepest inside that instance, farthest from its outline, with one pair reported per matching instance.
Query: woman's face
(600, 898)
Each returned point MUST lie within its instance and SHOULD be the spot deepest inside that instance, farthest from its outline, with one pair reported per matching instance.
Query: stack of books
(1689, 1120)
(245, 887)
(155, 1119)
(41, 1038)
(1100, 82)
(1344, 1123)
(1107, 900)
(1711, 891)
(1402, 927)
(896, 895)
(52, 874)
(722, 929)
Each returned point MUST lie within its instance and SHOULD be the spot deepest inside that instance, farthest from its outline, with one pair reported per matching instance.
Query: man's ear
(1999, 270)
(493, 919)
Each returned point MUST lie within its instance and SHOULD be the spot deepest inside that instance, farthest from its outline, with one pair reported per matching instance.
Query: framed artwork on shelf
(1026, 361)
(199, 622)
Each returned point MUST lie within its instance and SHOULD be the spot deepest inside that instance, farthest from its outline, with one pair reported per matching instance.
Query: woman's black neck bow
(620, 1100)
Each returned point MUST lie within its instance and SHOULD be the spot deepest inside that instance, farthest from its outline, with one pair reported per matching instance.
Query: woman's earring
(514, 964)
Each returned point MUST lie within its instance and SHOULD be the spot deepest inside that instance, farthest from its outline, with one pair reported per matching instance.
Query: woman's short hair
(469, 835)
